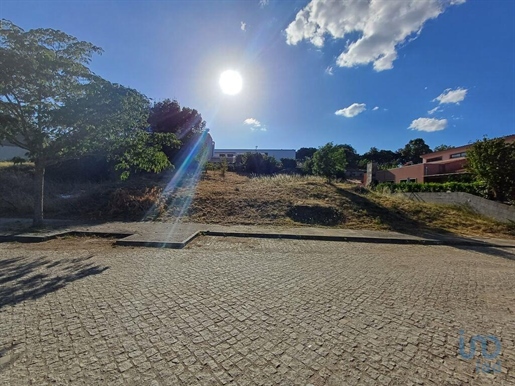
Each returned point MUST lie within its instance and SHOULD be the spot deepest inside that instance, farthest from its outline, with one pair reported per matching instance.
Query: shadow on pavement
(497, 252)
(23, 278)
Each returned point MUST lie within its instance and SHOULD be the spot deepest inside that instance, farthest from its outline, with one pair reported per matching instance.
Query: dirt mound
(315, 215)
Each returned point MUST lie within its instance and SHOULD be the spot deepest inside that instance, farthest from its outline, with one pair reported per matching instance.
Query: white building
(8, 151)
(230, 154)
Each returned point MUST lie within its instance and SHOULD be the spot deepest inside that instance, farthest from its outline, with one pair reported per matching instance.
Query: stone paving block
(252, 312)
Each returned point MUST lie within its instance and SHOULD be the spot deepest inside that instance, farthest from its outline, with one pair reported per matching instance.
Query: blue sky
(313, 71)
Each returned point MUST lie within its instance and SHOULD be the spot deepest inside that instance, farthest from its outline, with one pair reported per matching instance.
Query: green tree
(54, 107)
(385, 159)
(259, 163)
(413, 150)
(304, 152)
(307, 166)
(351, 155)
(442, 147)
(187, 124)
(329, 161)
(492, 161)
(288, 163)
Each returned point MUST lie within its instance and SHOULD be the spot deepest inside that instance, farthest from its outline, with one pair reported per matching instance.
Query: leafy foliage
(442, 147)
(305, 152)
(385, 159)
(54, 107)
(185, 123)
(413, 150)
(492, 161)
(476, 188)
(307, 166)
(351, 155)
(258, 163)
(288, 163)
(329, 161)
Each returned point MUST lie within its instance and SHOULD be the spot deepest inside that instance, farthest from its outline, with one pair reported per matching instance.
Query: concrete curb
(365, 239)
(35, 238)
(157, 244)
(142, 242)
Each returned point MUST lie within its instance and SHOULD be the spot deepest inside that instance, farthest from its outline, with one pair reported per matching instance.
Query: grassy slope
(242, 200)
(281, 201)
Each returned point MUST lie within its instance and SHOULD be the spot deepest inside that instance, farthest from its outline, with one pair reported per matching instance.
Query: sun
(230, 82)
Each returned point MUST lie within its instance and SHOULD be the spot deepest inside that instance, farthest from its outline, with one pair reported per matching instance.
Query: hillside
(235, 199)
(295, 201)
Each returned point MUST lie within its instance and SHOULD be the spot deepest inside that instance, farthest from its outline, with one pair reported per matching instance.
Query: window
(230, 155)
(434, 159)
(459, 155)
(222, 155)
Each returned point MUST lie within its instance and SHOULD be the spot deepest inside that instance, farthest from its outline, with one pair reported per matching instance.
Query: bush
(329, 161)
(288, 163)
(18, 160)
(223, 167)
(475, 188)
(258, 163)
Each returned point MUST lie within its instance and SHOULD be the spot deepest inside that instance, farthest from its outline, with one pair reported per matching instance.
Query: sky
(374, 73)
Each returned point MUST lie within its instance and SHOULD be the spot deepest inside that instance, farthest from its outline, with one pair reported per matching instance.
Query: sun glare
(230, 82)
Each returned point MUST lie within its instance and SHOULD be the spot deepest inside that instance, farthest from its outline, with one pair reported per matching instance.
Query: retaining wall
(488, 208)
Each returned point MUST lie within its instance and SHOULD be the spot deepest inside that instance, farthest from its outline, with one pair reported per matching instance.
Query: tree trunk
(39, 186)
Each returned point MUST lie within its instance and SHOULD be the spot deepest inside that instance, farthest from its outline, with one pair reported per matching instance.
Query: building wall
(8, 152)
(446, 154)
(276, 153)
(414, 172)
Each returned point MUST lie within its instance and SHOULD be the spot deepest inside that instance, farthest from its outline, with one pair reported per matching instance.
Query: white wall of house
(8, 152)
(230, 154)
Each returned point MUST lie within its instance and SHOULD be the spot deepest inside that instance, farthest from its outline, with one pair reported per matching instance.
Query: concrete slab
(178, 234)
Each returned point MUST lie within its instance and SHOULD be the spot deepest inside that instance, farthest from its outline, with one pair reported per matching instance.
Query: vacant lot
(295, 201)
(236, 199)
(252, 312)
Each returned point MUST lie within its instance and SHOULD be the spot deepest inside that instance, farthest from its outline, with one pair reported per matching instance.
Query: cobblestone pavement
(253, 311)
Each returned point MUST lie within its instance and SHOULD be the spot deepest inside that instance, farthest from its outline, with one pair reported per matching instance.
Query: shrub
(329, 162)
(288, 163)
(223, 167)
(18, 160)
(476, 188)
(258, 163)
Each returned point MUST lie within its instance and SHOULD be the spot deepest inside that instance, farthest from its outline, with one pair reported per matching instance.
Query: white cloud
(243, 26)
(255, 124)
(329, 70)
(252, 122)
(428, 124)
(383, 24)
(375, 108)
(353, 110)
(435, 110)
(263, 3)
(452, 96)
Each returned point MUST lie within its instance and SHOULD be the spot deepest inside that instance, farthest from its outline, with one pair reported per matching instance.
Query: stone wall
(488, 208)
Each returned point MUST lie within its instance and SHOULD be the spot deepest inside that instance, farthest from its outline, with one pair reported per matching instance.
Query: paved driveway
(254, 311)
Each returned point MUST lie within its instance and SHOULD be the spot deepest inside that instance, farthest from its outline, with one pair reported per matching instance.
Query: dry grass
(9, 164)
(286, 200)
(129, 200)
(282, 200)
